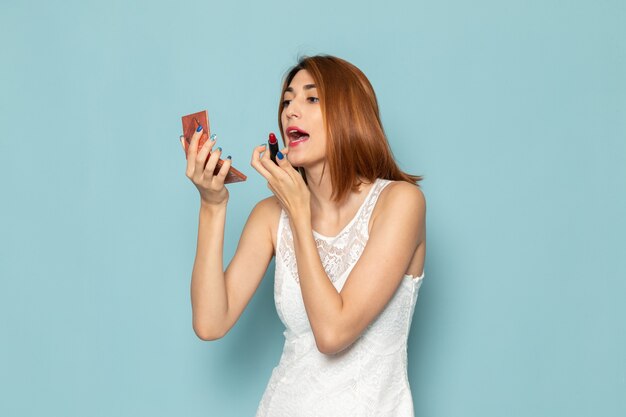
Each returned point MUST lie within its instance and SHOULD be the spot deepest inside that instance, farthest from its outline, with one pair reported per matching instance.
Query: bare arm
(209, 301)
(338, 319)
(217, 297)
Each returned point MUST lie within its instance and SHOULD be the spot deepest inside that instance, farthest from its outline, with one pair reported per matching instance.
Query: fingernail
(219, 148)
(212, 137)
(229, 157)
(279, 155)
(199, 128)
(263, 144)
(181, 137)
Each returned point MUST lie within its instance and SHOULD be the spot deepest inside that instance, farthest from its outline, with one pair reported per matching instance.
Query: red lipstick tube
(273, 147)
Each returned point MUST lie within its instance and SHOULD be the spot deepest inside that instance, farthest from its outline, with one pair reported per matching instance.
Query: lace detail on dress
(367, 378)
(339, 253)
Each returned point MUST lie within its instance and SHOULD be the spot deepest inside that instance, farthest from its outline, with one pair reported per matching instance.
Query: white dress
(368, 378)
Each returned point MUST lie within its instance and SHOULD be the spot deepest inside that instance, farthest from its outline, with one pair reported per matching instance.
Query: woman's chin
(296, 165)
(303, 160)
(296, 161)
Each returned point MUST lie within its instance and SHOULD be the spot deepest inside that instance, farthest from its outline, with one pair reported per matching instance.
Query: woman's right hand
(211, 187)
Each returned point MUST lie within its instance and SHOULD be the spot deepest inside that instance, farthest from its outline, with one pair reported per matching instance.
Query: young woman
(347, 229)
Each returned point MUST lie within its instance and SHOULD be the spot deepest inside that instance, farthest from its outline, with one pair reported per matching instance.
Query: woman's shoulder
(397, 197)
(267, 212)
(404, 200)
(268, 205)
(401, 193)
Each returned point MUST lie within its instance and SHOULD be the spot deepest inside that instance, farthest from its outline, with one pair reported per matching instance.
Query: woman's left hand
(285, 182)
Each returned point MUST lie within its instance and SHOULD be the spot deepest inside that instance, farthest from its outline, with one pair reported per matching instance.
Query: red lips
(296, 135)
(295, 132)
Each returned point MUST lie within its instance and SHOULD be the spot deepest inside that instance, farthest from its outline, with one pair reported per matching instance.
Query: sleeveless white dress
(368, 378)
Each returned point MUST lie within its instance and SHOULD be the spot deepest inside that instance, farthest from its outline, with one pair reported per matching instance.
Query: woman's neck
(321, 190)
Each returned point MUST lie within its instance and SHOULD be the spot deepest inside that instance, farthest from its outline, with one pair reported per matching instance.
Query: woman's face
(303, 124)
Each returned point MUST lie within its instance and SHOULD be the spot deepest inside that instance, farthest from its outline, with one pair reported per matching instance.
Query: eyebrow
(306, 87)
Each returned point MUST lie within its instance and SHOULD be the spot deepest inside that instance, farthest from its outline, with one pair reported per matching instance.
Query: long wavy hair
(357, 147)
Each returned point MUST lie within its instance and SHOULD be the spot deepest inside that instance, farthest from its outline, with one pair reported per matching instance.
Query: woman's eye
(286, 103)
(314, 100)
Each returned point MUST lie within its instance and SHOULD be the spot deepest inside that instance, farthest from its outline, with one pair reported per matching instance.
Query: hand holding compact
(200, 170)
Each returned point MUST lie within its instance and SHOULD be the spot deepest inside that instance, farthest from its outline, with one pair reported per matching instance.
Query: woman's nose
(293, 110)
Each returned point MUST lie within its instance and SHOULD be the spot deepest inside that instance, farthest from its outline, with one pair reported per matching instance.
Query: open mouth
(296, 135)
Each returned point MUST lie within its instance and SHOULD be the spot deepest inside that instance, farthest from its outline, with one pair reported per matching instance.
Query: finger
(282, 160)
(271, 167)
(256, 161)
(192, 150)
(212, 163)
(223, 172)
(193, 143)
(201, 158)
(285, 164)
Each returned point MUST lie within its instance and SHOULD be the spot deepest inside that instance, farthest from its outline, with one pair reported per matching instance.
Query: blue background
(515, 113)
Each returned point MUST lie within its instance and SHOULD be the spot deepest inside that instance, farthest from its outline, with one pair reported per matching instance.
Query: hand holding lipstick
(284, 181)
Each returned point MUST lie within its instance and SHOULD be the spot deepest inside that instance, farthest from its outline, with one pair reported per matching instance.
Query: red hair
(356, 143)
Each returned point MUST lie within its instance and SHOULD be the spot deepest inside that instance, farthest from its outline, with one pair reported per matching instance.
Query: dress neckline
(356, 215)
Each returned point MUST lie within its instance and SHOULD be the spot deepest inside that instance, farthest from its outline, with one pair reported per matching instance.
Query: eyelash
(310, 99)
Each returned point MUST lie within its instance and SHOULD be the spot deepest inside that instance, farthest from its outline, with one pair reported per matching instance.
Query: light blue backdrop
(515, 113)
